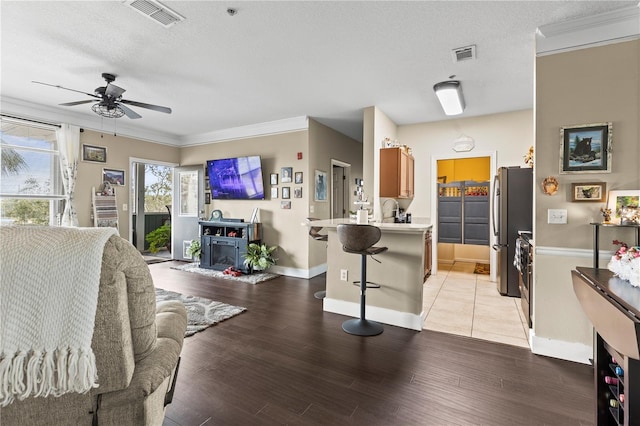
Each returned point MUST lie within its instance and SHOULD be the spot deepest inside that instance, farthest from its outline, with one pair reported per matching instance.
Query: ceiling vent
(464, 53)
(156, 11)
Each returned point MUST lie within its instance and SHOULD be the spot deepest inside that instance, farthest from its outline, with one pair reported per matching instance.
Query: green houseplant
(259, 257)
(195, 250)
(159, 238)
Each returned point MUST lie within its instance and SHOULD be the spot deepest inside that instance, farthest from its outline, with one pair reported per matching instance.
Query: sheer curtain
(68, 137)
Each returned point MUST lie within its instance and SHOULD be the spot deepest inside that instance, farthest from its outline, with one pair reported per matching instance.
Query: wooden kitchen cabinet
(396, 173)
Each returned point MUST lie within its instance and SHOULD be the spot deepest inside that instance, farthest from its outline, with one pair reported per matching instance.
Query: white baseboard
(298, 272)
(385, 316)
(569, 351)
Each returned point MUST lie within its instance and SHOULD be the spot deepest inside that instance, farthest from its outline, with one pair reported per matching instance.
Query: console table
(596, 238)
(224, 243)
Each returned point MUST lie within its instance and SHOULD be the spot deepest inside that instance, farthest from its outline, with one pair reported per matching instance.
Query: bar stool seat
(360, 239)
(314, 233)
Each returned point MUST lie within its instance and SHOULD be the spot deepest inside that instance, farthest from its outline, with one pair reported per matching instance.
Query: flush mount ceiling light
(449, 94)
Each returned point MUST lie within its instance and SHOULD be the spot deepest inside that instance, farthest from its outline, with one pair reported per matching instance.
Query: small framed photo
(298, 177)
(619, 199)
(285, 205)
(285, 192)
(207, 184)
(274, 193)
(94, 154)
(320, 186)
(595, 191)
(273, 178)
(586, 148)
(113, 176)
(207, 198)
(297, 192)
(286, 173)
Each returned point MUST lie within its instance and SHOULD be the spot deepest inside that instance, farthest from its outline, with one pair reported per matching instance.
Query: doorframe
(132, 191)
(434, 204)
(346, 195)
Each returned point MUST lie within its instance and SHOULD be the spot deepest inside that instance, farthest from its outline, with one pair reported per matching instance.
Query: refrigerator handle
(496, 205)
(498, 247)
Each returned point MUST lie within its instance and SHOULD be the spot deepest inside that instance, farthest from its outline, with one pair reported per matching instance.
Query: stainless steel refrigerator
(512, 212)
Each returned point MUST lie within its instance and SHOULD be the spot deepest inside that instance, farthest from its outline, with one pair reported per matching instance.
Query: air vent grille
(464, 53)
(156, 11)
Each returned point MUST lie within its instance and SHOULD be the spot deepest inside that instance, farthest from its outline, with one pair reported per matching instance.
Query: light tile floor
(457, 301)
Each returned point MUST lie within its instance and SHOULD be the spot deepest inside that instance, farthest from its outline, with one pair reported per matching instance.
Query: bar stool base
(362, 327)
(320, 294)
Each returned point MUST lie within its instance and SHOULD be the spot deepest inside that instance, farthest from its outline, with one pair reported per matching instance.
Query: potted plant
(259, 257)
(159, 238)
(195, 250)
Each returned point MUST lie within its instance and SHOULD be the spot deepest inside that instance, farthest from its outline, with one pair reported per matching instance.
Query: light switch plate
(557, 216)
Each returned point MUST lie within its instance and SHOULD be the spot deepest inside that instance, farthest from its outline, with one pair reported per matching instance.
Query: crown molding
(252, 130)
(605, 28)
(33, 111)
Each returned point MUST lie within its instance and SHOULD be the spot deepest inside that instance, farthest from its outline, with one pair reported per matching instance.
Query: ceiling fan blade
(77, 102)
(129, 112)
(114, 91)
(147, 106)
(73, 90)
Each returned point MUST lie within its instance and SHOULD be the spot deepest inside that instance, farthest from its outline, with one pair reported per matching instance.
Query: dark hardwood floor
(285, 361)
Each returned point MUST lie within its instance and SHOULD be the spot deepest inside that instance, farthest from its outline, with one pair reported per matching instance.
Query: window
(31, 191)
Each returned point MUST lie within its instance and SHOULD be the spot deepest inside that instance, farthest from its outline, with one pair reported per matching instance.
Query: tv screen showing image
(236, 178)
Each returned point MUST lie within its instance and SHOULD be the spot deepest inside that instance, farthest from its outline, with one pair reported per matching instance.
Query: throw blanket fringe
(47, 310)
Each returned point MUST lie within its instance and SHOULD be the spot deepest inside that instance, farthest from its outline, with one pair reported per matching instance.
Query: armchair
(136, 345)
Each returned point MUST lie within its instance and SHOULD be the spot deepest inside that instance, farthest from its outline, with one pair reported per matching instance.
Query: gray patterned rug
(201, 313)
(254, 278)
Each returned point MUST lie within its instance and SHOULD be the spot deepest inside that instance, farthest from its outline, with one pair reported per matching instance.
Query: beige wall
(591, 85)
(281, 227)
(325, 144)
(119, 151)
(509, 134)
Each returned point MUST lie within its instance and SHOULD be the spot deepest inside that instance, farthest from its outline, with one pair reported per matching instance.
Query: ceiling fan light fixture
(105, 111)
(449, 94)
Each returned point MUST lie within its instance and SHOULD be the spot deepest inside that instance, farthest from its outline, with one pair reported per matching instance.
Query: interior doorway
(491, 155)
(151, 202)
(340, 177)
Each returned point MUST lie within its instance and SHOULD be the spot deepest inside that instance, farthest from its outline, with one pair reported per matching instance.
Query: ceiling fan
(109, 102)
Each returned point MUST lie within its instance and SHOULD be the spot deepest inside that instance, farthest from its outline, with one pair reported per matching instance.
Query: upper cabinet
(396, 173)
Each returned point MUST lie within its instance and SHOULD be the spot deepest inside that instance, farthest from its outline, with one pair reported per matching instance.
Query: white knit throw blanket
(49, 281)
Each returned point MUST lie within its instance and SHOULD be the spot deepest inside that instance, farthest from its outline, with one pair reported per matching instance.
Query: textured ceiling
(276, 60)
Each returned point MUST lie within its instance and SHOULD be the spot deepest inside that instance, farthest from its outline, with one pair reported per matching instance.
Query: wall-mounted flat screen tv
(236, 178)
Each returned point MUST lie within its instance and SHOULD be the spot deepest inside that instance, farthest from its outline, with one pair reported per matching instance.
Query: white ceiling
(274, 60)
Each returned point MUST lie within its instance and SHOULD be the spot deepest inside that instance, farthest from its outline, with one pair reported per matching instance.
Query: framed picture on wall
(273, 178)
(297, 192)
(586, 148)
(619, 199)
(298, 177)
(286, 174)
(207, 198)
(320, 186)
(285, 192)
(113, 176)
(274, 193)
(94, 154)
(285, 205)
(589, 191)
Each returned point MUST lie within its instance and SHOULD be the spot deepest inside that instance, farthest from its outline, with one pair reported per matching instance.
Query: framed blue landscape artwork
(586, 148)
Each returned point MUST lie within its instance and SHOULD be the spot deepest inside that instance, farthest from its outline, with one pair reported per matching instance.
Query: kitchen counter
(401, 275)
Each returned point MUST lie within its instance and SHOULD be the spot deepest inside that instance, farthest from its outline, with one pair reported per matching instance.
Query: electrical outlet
(311, 209)
(124, 207)
(344, 275)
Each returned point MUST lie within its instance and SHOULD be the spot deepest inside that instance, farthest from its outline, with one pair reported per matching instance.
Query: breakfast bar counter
(400, 274)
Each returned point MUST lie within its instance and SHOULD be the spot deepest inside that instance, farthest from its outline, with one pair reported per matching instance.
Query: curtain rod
(30, 120)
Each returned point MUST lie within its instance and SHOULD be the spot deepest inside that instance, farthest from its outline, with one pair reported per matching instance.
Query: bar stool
(359, 239)
(314, 233)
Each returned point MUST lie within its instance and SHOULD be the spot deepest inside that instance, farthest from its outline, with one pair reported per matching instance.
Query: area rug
(150, 260)
(482, 268)
(201, 313)
(256, 278)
